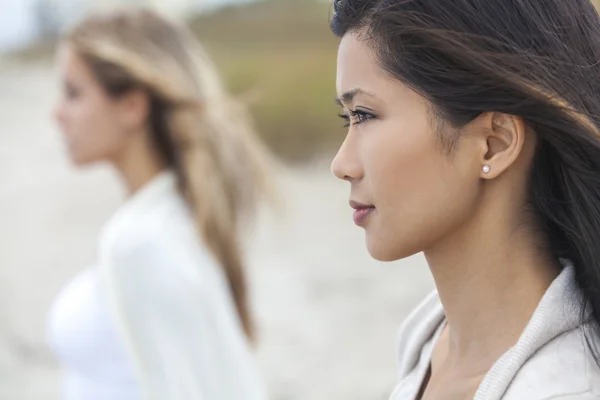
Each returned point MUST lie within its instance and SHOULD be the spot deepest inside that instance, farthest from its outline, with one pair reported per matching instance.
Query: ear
(134, 109)
(503, 139)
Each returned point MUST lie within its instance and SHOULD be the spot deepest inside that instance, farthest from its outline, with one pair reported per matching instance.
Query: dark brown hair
(539, 60)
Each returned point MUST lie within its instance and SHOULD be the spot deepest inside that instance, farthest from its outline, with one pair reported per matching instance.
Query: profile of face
(96, 127)
(408, 191)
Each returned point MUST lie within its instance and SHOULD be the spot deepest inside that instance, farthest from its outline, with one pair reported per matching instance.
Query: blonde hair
(202, 133)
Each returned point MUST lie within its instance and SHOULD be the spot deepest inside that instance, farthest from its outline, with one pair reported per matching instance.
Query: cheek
(91, 132)
(418, 190)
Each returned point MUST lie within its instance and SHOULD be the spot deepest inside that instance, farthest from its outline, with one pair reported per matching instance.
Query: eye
(71, 91)
(357, 117)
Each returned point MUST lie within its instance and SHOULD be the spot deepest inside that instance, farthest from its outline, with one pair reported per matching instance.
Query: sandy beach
(328, 314)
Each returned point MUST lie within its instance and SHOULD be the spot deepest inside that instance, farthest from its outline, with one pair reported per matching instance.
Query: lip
(362, 212)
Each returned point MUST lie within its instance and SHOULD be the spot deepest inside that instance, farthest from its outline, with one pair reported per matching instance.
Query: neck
(138, 165)
(490, 275)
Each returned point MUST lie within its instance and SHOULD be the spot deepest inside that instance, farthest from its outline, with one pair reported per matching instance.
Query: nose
(346, 165)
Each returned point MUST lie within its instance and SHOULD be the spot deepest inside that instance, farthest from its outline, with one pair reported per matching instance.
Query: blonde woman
(163, 313)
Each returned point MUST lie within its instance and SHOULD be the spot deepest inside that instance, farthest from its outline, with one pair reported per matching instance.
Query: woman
(163, 314)
(473, 137)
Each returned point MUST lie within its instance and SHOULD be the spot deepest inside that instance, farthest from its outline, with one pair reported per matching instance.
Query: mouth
(361, 212)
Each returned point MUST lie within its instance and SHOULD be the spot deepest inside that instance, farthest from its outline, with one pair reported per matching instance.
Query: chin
(382, 250)
(79, 162)
(82, 160)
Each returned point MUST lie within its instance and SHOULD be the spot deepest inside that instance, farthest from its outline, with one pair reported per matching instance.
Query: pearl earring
(486, 169)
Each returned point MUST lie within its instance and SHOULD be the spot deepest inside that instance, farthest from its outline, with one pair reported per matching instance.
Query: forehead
(356, 63)
(358, 68)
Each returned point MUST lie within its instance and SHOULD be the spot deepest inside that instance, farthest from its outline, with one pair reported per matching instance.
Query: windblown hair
(200, 131)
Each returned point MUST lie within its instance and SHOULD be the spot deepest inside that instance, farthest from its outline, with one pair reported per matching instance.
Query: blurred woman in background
(474, 137)
(164, 313)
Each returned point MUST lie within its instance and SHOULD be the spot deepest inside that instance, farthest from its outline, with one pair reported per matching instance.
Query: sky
(18, 24)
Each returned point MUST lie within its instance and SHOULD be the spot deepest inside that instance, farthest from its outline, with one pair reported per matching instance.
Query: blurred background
(328, 314)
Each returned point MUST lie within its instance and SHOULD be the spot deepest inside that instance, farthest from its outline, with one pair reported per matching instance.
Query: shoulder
(417, 330)
(563, 369)
(152, 229)
(167, 217)
(159, 244)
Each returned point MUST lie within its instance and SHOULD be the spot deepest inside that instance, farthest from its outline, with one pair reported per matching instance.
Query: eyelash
(361, 115)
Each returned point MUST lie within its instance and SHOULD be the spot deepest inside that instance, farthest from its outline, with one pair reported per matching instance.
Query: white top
(169, 303)
(549, 361)
(83, 336)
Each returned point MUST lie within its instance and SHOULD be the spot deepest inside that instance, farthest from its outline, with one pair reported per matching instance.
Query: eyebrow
(348, 97)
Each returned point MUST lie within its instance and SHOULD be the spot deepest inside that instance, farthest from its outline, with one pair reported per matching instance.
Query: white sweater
(549, 361)
(171, 304)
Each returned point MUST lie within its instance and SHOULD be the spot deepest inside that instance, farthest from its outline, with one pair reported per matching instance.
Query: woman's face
(410, 192)
(89, 119)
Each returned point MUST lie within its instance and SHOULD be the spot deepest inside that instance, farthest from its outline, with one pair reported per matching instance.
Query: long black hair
(539, 60)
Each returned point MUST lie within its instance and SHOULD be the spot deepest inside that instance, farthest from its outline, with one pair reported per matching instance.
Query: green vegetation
(280, 56)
